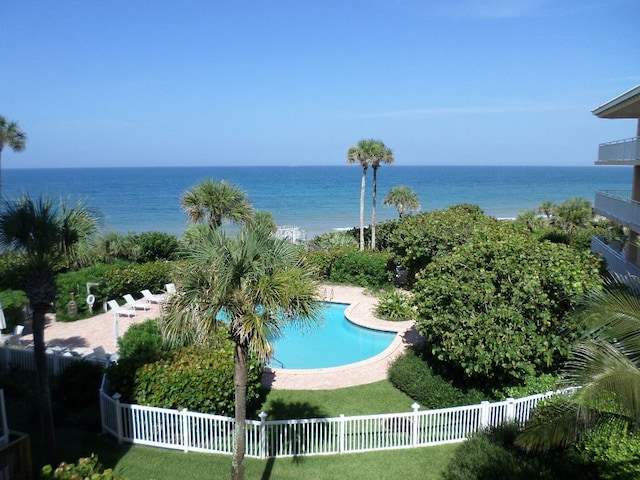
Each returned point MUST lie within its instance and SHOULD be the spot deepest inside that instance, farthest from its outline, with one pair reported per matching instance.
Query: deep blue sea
(316, 199)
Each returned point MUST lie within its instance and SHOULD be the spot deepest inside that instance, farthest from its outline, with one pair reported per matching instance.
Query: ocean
(315, 199)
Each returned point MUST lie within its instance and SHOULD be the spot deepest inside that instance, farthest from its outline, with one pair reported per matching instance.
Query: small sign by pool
(335, 342)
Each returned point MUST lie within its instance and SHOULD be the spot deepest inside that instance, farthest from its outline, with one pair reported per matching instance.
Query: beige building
(622, 207)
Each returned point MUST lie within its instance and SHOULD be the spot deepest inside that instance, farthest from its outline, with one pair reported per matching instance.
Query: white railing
(23, 358)
(618, 206)
(190, 431)
(625, 151)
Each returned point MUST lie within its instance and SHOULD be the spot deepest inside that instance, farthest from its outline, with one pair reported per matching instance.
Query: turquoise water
(336, 342)
(317, 199)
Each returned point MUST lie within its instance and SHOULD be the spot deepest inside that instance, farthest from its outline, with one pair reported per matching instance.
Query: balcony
(620, 152)
(617, 205)
(616, 261)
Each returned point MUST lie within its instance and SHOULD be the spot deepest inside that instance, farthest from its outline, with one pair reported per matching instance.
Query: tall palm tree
(604, 367)
(11, 135)
(403, 198)
(212, 202)
(46, 232)
(369, 153)
(380, 154)
(260, 283)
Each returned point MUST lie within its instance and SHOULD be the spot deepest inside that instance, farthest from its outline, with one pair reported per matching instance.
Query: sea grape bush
(156, 246)
(500, 307)
(416, 240)
(12, 303)
(141, 339)
(87, 468)
(133, 278)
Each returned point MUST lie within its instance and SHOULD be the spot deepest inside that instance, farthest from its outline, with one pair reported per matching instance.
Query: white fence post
(185, 429)
(485, 410)
(116, 397)
(414, 426)
(263, 434)
(341, 434)
(511, 409)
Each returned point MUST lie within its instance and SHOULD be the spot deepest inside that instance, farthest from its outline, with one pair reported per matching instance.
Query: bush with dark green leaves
(132, 278)
(417, 239)
(492, 454)
(156, 246)
(411, 374)
(500, 307)
(78, 384)
(141, 339)
(199, 379)
(13, 271)
(365, 269)
(13, 302)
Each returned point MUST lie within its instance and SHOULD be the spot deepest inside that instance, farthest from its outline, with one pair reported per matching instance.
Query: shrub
(13, 302)
(395, 305)
(491, 454)
(366, 269)
(141, 339)
(331, 240)
(501, 307)
(156, 246)
(200, 379)
(410, 374)
(133, 278)
(13, 271)
(86, 468)
(614, 449)
(78, 384)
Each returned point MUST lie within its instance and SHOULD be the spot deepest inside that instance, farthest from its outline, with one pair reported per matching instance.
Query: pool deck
(360, 311)
(97, 336)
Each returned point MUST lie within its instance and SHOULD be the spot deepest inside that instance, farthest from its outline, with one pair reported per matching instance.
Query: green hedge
(12, 303)
(200, 379)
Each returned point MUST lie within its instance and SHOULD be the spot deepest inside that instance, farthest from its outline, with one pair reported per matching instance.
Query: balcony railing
(616, 261)
(617, 205)
(620, 152)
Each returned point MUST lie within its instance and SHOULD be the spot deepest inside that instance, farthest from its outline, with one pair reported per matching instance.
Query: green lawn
(426, 463)
(379, 397)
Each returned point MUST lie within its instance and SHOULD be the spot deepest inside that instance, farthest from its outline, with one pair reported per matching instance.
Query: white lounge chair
(118, 310)
(170, 288)
(151, 298)
(135, 304)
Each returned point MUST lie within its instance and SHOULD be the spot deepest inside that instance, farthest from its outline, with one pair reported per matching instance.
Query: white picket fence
(198, 432)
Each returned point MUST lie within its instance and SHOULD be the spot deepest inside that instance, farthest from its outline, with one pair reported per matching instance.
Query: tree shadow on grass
(290, 438)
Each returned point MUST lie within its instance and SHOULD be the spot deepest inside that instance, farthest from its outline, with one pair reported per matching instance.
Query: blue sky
(297, 82)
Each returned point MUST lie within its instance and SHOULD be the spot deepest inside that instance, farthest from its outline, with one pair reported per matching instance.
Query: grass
(379, 397)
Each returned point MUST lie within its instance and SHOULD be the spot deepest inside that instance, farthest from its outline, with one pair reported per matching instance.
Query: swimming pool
(335, 342)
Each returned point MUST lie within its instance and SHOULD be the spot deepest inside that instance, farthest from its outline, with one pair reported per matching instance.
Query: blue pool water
(335, 342)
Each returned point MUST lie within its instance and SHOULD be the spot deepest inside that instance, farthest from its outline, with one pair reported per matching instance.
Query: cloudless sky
(297, 82)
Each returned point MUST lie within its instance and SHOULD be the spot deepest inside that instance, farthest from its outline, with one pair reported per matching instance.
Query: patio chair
(118, 310)
(135, 304)
(151, 298)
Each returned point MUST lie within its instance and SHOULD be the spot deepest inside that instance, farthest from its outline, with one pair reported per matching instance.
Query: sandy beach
(97, 335)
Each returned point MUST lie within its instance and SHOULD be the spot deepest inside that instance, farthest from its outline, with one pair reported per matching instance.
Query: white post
(484, 414)
(115, 330)
(511, 409)
(185, 429)
(414, 425)
(341, 434)
(117, 397)
(263, 434)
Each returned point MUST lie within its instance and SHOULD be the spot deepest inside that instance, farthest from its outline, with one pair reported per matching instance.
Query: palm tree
(604, 367)
(380, 154)
(403, 198)
(212, 202)
(10, 134)
(260, 283)
(46, 232)
(369, 153)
